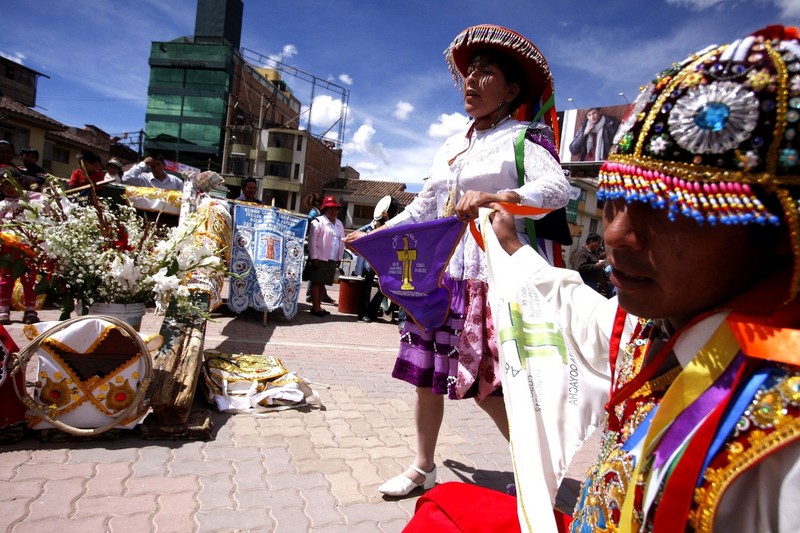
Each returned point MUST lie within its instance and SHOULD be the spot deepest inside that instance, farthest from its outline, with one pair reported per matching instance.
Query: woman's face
(486, 90)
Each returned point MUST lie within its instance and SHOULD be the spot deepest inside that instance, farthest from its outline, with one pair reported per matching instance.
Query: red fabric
(465, 508)
(79, 178)
(12, 410)
(460, 507)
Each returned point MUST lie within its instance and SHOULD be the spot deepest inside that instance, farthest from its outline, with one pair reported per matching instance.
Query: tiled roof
(372, 189)
(10, 105)
(72, 138)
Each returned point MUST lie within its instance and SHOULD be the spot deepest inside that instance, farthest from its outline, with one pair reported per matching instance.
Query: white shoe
(402, 486)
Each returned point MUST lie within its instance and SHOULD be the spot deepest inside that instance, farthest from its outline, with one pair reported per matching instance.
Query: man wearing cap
(325, 251)
(702, 230)
(150, 173)
(588, 262)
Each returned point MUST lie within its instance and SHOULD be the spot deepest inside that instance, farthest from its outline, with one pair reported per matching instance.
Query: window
(572, 211)
(299, 143)
(54, 154)
(201, 134)
(277, 170)
(363, 211)
(203, 106)
(297, 171)
(164, 104)
(593, 225)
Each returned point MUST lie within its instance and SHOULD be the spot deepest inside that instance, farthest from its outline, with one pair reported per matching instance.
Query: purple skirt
(459, 358)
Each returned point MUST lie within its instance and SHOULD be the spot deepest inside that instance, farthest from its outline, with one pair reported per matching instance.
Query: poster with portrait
(267, 258)
(588, 134)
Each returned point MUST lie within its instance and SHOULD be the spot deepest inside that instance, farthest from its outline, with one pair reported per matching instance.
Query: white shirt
(485, 162)
(140, 176)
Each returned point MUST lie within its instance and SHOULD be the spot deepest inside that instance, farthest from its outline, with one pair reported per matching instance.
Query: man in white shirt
(151, 173)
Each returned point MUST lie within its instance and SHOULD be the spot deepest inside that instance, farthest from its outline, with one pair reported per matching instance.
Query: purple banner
(410, 261)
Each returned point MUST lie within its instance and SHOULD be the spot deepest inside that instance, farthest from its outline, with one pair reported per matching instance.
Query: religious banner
(267, 257)
(410, 261)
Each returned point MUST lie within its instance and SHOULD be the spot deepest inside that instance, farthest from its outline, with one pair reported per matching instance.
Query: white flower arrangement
(100, 253)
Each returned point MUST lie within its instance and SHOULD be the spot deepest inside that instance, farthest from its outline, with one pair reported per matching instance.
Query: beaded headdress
(474, 39)
(706, 131)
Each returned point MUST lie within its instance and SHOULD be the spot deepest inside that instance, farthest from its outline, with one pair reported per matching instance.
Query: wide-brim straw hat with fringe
(708, 133)
(474, 39)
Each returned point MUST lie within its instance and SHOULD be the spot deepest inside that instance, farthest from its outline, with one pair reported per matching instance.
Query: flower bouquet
(91, 251)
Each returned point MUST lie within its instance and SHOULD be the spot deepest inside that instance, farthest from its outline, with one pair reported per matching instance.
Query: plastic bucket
(350, 288)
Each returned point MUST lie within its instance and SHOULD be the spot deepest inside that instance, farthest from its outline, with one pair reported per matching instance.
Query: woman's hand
(353, 236)
(471, 201)
(505, 229)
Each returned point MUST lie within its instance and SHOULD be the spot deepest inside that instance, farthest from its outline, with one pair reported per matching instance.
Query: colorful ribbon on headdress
(410, 261)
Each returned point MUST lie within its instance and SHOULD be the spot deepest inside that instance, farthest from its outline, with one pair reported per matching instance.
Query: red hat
(329, 201)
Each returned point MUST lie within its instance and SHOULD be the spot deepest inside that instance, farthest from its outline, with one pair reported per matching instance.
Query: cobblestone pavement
(312, 469)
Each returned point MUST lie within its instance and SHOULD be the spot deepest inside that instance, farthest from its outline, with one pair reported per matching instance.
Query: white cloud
(447, 125)
(288, 52)
(326, 111)
(789, 8)
(17, 57)
(697, 5)
(361, 143)
(346, 79)
(402, 110)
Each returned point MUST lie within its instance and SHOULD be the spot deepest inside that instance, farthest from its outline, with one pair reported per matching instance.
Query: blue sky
(388, 54)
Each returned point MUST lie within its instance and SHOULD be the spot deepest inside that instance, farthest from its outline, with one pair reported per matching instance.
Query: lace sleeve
(545, 183)
(422, 208)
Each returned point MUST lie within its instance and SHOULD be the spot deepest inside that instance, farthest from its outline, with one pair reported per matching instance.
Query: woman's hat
(707, 133)
(472, 40)
(329, 201)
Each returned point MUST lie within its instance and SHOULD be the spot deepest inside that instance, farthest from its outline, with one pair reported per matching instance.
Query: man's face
(28, 157)
(157, 168)
(593, 115)
(594, 246)
(675, 270)
(249, 190)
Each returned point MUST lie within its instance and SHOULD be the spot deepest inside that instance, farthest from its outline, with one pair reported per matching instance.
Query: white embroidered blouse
(485, 162)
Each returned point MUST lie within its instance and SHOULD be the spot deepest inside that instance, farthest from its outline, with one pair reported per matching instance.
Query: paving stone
(216, 492)
(162, 485)
(58, 499)
(321, 508)
(152, 461)
(290, 519)
(108, 480)
(51, 523)
(249, 475)
(230, 520)
(176, 512)
(90, 455)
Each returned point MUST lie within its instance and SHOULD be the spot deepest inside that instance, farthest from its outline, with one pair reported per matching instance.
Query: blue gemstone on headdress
(712, 116)
(768, 105)
(738, 69)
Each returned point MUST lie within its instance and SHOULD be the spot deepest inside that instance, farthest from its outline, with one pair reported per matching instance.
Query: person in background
(312, 201)
(249, 191)
(11, 208)
(588, 262)
(325, 251)
(113, 170)
(89, 162)
(151, 173)
(703, 417)
(500, 72)
(369, 305)
(33, 174)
